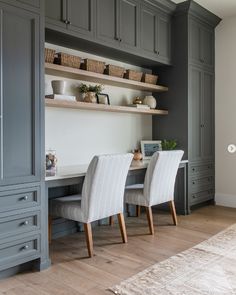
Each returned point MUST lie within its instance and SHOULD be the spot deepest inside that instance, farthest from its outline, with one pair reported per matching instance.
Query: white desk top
(64, 172)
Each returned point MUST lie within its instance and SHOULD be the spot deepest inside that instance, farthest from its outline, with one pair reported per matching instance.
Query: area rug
(206, 269)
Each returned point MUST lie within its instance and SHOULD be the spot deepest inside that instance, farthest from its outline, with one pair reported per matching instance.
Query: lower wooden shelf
(101, 107)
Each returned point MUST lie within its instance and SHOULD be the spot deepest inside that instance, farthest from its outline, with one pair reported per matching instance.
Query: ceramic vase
(58, 86)
(90, 97)
(150, 101)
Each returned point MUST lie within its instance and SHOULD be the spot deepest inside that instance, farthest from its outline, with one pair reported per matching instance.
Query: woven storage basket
(93, 66)
(68, 60)
(133, 75)
(49, 55)
(148, 78)
(115, 71)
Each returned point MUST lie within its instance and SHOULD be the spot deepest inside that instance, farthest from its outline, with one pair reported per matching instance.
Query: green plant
(83, 88)
(168, 144)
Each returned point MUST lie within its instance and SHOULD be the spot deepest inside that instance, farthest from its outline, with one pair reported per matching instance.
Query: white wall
(77, 135)
(225, 112)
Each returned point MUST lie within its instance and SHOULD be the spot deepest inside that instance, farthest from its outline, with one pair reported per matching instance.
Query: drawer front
(199, 183)
(13, 251)
(19, 199)
(206, 168)
(202, 196)
(19, 224)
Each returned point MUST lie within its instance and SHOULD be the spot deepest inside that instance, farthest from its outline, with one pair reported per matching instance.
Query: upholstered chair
(102, 195)
(158, 185)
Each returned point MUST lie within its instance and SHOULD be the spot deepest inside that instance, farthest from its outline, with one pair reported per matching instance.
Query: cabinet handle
(25, 198)
(193, 169)
(117, 39)
(193, 182)
(25, 223)
(26, 247)
(67, 22)
(120, 40)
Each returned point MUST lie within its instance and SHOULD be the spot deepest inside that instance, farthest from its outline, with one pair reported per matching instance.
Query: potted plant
(90, 92)
(168, 144)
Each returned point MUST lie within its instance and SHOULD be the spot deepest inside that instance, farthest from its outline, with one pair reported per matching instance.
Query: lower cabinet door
(201, 196)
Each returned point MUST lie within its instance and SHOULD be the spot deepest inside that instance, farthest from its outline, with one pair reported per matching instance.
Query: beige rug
(208, 268)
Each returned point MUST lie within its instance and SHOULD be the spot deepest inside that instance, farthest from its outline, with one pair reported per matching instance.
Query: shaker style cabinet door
(195, 42)
(35, 3)
(207, 47)
(208, 108)
(56, 13)
(19, 96)
(164, 38)
(195, 114)
(129, 23)
(80, 16)
(107, 28)
(148, 31)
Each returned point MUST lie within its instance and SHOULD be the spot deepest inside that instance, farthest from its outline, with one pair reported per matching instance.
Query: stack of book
(139, 106)
(62, 97)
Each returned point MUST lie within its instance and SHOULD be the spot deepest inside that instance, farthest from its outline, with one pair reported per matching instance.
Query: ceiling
(222, 8)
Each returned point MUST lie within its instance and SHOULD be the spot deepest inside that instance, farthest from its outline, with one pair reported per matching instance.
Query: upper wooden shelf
(100, 107)
(67, 72)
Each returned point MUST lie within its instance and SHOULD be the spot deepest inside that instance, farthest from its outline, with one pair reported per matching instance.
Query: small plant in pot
(90, 92)
(168, 145)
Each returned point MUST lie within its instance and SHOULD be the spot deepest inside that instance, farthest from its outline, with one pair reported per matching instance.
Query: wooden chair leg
(150, 220)
(49, 229)
(123, 232)
(138, 210)
(89, 238)
(173, 212)
(111, 220)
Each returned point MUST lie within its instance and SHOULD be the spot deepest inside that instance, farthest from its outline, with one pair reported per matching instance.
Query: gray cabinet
(191, 97)
(56, 13)
(21, 136)
(201, 43)
(118, 23)
(155, 33)
(35, 3)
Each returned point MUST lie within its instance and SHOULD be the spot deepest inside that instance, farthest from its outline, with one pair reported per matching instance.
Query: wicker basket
(148, 78)
(93, 66)
(115, 71)
(133, 75)
(68, 60)
(49, 55)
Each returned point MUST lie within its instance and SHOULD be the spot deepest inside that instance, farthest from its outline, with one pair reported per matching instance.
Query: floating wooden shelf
(100, 107)
(67, 72)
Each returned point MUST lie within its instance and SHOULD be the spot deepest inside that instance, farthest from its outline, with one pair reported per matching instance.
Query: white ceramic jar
(150, 101)
(58, 86)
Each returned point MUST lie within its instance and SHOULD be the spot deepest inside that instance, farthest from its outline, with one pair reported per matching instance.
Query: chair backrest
(160, 177)
(104, 184)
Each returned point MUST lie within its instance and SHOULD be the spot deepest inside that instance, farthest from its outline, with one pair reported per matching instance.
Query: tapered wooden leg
(173, 212)
(122, 227)
(89, 238)
(138, 210)
(150, 220)
(111, 220)
(49, 229)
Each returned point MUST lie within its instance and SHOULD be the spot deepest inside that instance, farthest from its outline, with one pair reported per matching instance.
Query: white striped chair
(102, 195)
(158, 185)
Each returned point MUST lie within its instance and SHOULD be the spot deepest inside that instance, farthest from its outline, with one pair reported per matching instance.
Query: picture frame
(149, 147)
(103, 98)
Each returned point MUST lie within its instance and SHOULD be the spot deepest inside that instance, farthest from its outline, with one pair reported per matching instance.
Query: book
(139, 106)
(62, 97)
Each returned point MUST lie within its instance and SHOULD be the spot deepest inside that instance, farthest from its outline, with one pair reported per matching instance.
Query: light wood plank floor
(73, 273)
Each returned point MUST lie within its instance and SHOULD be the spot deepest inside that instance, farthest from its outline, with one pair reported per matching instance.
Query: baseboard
(225, 200)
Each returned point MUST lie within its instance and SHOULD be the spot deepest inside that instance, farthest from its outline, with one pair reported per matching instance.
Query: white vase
(58, 86)
(150, 101)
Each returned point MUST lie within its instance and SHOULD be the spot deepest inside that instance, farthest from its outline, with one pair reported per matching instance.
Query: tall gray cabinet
(22, 221)
(190, 99)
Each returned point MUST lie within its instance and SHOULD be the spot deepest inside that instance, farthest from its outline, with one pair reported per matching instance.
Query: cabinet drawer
(199, 183)
(20, 249)
(202, 196)
(18, 199)
(18, 224)
(201, 168)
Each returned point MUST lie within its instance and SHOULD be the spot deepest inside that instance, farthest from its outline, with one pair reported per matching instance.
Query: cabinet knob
(26, 247)
(193, 182)
(67, 22)
(120, 40)
(193, 169)
(25, 198)
(117, 39)
(25, 223)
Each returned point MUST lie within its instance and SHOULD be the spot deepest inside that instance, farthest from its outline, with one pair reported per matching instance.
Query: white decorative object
(150, 101)
(62, 97)
(58, 86)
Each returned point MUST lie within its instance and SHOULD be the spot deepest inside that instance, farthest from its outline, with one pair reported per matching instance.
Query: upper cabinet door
(56, 13)
(148, 31)
(164, 38)
(195, 42)
(20, 96)
(80, 16)
(208, 108)
(129, 23)
(35, 3)
(207, 47)
(107, 21)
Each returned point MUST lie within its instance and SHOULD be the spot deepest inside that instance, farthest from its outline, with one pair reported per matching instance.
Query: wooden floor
(73, 273)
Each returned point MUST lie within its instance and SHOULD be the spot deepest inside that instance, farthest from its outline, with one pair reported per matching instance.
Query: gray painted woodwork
(190, 99)
(35, 3)
(56, 13)
(21, 135)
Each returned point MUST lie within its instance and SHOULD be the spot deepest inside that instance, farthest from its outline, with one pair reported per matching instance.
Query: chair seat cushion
(134, 195)
(68, 207)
